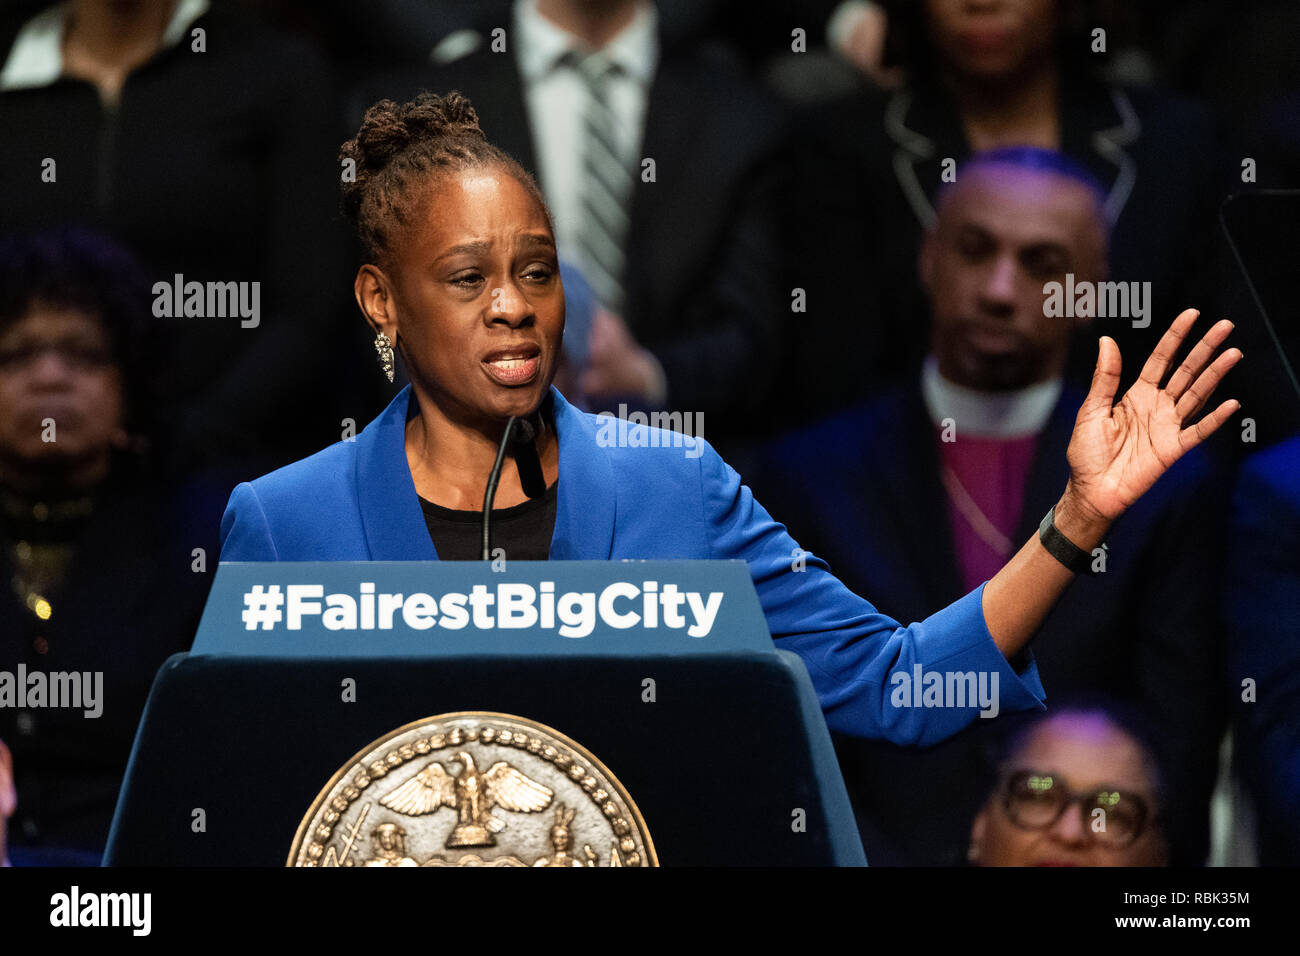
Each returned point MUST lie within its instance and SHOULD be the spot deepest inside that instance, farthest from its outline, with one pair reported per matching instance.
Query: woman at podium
(461, 278)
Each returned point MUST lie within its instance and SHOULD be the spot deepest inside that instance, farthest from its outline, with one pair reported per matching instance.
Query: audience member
(1076, 788)
(1263, 613)
(986, 76)
(919, 495)
(206, 144)
(761, 257)
(8, 799)
(663, 168)
(104, 566)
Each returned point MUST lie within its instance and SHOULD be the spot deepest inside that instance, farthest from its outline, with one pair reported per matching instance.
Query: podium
(663, 670)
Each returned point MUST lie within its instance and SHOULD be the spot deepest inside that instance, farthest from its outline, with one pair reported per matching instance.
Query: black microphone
(522, 432)
(527, 461)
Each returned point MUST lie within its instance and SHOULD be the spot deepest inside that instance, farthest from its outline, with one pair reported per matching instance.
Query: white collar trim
(1017, 414)
(36, 58)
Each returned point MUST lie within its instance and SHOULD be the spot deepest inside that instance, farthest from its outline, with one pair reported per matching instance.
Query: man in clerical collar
(917, 495)
(1015, 222)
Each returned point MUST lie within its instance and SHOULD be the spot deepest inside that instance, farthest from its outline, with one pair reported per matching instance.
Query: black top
(524, 532)
(129, 595)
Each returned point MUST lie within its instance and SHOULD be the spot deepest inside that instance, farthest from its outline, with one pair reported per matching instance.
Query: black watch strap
(1062, 548)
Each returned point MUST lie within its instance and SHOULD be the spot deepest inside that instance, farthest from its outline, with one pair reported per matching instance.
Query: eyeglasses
(77, 354)
(1035, 800)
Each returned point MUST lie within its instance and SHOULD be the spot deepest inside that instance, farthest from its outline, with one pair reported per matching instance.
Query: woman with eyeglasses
(96, 572)
(1076, 788)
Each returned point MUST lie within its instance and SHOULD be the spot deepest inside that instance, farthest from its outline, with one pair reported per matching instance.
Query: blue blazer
(355, 501)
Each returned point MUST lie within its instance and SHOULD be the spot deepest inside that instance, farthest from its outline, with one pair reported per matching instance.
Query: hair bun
(400, 144)
(389, 128)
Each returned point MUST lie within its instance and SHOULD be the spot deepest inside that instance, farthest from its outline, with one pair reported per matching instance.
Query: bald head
(1063, 194)
(1003, 230)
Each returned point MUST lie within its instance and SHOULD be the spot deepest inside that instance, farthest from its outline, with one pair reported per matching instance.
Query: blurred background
(825, 229)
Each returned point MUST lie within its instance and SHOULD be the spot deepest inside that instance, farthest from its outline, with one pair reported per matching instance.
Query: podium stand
(715, 734)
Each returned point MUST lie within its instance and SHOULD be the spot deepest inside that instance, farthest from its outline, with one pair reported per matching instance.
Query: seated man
(918, 495)
(101, 580)
(1075, 788)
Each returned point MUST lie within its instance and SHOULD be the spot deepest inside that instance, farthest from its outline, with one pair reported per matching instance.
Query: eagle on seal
(472, 794)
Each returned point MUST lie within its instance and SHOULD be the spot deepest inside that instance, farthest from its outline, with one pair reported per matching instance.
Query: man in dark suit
(918, 493)
(664, 169)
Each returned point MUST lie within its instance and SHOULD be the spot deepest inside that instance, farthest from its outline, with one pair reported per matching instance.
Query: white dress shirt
(557, 99)
(1015, 414)
(36, 57)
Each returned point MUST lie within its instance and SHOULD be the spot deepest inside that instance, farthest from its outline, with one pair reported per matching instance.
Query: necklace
(975, 516)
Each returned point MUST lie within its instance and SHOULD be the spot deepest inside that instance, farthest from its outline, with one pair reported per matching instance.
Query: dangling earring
(385, 350)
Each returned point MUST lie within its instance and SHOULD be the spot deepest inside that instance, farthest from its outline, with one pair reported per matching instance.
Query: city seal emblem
(473, 789)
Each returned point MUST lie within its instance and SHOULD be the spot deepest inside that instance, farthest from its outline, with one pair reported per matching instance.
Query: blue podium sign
(569, 644)
(454, 608)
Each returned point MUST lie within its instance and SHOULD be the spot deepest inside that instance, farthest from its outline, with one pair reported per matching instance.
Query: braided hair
(399, 149)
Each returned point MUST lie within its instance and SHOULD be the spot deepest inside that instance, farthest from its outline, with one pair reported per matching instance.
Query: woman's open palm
(1118, 451)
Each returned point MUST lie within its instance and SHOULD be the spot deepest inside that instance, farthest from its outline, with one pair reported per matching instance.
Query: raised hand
(1117, 451)
(617, 364)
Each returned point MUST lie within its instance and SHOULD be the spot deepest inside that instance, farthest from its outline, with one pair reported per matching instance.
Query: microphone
(523, 434)
(527, 461)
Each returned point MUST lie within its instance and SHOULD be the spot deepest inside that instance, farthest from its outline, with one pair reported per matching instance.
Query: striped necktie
(606, 184)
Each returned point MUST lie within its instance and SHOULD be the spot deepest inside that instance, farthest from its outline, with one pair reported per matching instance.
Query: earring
(385, 350)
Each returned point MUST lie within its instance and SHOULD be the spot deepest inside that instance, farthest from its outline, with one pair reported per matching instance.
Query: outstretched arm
(1116, 453)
